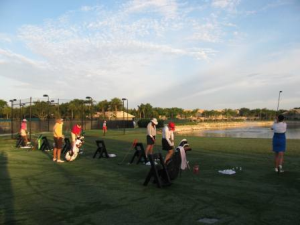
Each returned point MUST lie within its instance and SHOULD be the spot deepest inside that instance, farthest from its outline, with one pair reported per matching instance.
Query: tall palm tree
(103, 107)
(116, 104)
(72, 107)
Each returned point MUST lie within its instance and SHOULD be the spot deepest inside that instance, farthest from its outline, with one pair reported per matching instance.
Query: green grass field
(35, 190)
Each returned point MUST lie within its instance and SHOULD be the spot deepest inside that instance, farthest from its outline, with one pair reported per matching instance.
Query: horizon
(206, 54)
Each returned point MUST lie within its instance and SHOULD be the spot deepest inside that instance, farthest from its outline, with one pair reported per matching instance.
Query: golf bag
(73, 153)
(178, 161)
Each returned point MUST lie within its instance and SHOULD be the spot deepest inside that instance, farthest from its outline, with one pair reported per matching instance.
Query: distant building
(112, 115)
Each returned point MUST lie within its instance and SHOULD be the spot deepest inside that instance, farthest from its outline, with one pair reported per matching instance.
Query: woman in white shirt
(168, 140)
(151, 133)
(279, 142)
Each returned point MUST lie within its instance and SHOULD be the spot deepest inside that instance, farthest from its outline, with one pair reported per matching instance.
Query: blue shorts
(279, 142)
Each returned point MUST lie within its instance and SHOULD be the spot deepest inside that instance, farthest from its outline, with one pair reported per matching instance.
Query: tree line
(78, 109)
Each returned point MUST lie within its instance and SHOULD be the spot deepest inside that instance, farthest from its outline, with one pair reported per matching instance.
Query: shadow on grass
(6, 197)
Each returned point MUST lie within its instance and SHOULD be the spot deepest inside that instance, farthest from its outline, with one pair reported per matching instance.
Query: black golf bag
(173, 165)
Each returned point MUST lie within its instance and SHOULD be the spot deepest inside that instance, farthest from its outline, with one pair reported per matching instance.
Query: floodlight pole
(278, 101)
(30, 117)
(88, 97)
(12, 117)
(124, 99)
(48, 110)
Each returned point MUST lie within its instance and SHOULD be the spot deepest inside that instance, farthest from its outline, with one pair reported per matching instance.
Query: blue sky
(208, 54)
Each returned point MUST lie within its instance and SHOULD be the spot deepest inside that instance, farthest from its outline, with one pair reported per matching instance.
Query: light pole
(125, 99)
(47, 96)
(12, 117)
(90, 98)
(21, 110)
(278, 101)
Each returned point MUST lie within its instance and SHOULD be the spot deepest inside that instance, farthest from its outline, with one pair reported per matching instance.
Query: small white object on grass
(227, 172)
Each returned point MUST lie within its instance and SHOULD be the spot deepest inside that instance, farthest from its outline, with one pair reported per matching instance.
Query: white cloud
(225, 4)
(167, 8)
(5, 38)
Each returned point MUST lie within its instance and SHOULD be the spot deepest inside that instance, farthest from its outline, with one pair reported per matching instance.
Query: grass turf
(35, 190)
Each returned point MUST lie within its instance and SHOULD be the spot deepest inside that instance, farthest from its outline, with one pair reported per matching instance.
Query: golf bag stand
(158, 172)
(139, 153)
(67, 146)
(45, 144)
(101, 149)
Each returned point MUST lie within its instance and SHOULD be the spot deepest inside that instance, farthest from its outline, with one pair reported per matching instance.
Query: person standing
(23, 132)
(168, 140)
(151, 133)
(104, 127)
(58, 140)
(279, 142)
(75, 132)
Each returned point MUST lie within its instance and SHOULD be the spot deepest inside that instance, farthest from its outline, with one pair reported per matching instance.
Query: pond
(245, 132)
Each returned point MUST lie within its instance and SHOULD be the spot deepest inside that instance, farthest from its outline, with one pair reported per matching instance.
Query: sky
(206, 54)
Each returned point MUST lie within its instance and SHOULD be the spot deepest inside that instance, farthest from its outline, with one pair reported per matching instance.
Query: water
(246, 132)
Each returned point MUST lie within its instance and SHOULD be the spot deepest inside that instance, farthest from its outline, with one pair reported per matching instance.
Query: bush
(142, 123)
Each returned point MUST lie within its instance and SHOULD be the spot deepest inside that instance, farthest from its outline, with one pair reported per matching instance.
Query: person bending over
(168, 140)
(76, 131)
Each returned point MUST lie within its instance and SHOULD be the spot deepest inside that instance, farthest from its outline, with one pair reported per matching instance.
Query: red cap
(171, 125)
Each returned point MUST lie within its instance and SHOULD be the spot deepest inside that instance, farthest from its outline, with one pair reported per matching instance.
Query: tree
(3, 104)
(244, 112)
(72, 107)
(40, 109)
(103, 107)
(141, 111)
(116, 104)
(6, 111)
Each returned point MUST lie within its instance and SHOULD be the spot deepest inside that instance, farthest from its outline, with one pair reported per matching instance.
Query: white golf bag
(73, 153)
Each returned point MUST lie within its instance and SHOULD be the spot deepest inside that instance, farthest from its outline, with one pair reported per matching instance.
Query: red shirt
(76, 130)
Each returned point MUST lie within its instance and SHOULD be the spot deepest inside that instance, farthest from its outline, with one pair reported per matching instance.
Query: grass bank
(34, 190)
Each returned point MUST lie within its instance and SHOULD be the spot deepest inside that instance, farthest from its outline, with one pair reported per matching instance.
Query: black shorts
(165, 145)
(58, 142)
(150, 140)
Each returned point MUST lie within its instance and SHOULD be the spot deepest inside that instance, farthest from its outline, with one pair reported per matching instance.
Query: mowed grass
(35, 190)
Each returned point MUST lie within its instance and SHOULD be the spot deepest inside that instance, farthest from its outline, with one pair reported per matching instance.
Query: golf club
(131, 148)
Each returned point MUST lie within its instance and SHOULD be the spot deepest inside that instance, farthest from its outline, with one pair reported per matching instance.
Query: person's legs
(59, 147)
(169, 155)
(58, 154)
(149, 150)
(280, 159)
(25, 140)
(23, 143)
(54, 154)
